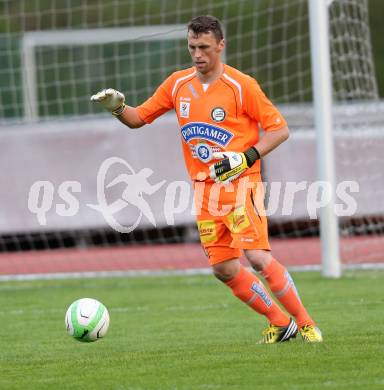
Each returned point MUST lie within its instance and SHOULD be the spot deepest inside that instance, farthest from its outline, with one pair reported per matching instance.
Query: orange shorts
(231, 217)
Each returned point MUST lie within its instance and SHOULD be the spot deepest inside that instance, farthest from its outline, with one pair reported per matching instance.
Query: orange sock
(249, 289)
(281, 284)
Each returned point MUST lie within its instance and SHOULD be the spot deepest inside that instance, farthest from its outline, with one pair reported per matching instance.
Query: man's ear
(222, 44)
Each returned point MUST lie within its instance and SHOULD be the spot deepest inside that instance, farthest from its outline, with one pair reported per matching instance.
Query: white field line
(126, 309)
(194, 308)
(186, 272)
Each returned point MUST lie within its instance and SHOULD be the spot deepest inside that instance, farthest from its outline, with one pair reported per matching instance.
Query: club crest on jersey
(218, 114)
(207, 132)
(184, 109)
(203, 152)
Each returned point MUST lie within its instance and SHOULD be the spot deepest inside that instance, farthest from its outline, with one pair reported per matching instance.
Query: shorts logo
(184, 109)
(207, 132)
(238, 220)
(259, 290)
(218, 114)
(246, 239)
(207, 231)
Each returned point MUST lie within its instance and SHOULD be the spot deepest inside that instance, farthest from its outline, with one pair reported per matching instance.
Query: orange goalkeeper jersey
(226, 117)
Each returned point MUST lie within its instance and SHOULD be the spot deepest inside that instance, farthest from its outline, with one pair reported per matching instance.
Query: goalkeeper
(219, 110)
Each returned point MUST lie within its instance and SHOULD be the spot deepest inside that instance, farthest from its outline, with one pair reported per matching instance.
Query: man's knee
(226, 270)
(258, 258)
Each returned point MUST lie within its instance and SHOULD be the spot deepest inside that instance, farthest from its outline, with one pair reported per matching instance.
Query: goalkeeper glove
(111, 100)
(232, 165)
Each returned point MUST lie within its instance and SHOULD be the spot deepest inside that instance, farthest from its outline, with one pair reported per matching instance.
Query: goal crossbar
(98, 36)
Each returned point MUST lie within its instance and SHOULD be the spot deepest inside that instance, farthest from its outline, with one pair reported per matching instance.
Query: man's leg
(249, 289)
(216, 239)
(281, 284)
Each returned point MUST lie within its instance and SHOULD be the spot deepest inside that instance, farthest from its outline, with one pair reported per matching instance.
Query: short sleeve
(159, 103)
(261, 109)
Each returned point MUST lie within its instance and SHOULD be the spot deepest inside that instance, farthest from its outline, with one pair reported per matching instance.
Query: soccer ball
(87, 320)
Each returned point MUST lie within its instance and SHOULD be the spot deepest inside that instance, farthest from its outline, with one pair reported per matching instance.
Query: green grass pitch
(189, 333)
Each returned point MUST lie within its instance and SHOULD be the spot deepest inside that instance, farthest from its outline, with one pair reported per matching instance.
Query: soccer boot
(311, 334)
(277, 334)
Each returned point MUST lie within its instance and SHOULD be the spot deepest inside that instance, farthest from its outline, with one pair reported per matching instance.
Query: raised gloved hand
(232, 164)
(111, 100)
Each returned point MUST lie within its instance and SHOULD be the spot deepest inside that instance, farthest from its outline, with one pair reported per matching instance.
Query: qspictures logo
(123, 195)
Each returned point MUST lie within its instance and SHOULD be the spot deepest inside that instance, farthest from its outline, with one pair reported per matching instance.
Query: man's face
(205, 50)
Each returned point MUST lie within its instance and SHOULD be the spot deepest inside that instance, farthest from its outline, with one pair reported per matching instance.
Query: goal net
(55, 55)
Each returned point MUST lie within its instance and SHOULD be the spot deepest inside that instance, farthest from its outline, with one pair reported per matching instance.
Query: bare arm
(271, 140)
(130, 118)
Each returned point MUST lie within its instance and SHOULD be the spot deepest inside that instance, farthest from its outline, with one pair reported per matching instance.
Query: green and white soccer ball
(87, 320)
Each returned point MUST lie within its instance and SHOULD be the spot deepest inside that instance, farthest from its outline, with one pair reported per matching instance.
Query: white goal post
(98, 36)
(322, 99)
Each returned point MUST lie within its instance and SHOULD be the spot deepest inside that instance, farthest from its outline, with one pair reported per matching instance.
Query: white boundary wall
(59, 151)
